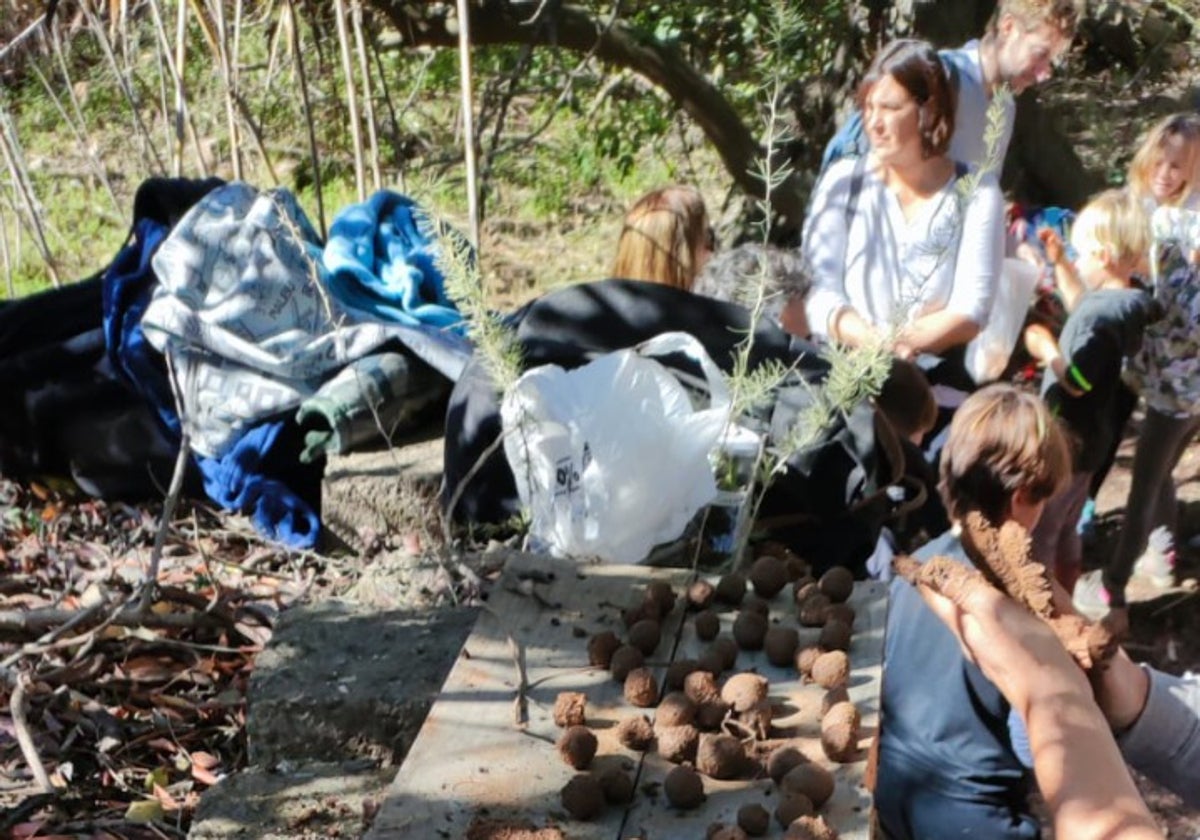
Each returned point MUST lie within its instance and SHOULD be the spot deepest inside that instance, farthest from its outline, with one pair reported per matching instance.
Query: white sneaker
(1090, 597)
(1157, 563)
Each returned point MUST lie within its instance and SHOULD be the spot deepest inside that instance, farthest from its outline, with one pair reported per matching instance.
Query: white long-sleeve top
(890, 269)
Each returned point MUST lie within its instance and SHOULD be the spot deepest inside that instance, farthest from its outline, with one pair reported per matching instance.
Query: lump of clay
(677, 671)
(661, 593)
(753, 603)
(810, 828)
(645, 635)
(710, 716)
(640, 612)
(749, 629)
(677, 744)
(582, 797)
(812, 780)
(806, 658)
(624, 660)
(804, 589)
(712, 661)
(782, 760)
(601, 648)
(708, 625)
(832, 669)
(720, 831)
(636, 733)
(731, 589)
(676, 709)
(744, 691)
(813, 610)
(832, 697)
(577, 746)
(780, 645)
(720, 756)
(569, 708)
(641, 689)
(617, 786)
(769, 575)
(791, 807)
(839, 732)
(684, 787)
(841, 612)
(700, 595)
(754, 819)
(834, 636)
(727, 649)
(837, 584)
(701, 687)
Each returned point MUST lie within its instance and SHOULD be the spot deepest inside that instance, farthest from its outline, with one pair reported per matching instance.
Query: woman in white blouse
(898, 254)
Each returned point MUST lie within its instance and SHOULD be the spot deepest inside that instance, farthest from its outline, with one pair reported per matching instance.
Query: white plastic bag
(988, 353)
(611, 458)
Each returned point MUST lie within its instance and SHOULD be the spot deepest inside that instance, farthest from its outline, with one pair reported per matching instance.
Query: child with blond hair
(1165, 171)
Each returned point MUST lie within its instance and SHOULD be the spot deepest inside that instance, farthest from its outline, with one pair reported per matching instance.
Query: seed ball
(677, 744)
(710, 716)
(617, 786)
(728, 650)
(713, 661)
(837, 584)
(831, 669)
(769, 575)
(791, 807)
(684, 787)
(810, 779)
(782, 760)
(569, 709)
(582, 797)
(832, 697)
(754, 819)
(796, 567)
(676, 709)
(780, 645)
(731, 589)
(839, 732)
(812, 611)
(753, 603)
(840, 612)
(744, 691)
(601, 648)
(803, 589)
(805, 658)
(701, 687)
(645, 635)
(577, 746)
(624, 660)
(749, 628)
(720, 831)
(661, 593)
(700, 595)
(676, 672)
(641, 689)
(810, 828)
(636, 733)
(834, 636)
(708, 625)
(720, 756)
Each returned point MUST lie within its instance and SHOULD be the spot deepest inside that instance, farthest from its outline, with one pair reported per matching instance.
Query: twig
(448, 517)
(464, 72)
(360, 170)
(150, 582)
(16, 706)
(364, 67)
(12, 157)
(298, 57)
(24, 622)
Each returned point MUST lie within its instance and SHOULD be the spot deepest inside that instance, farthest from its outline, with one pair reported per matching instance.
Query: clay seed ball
(782, 760)
(728, 650)
(661, 593)
(810, 828)
(837, 584)
(720, 831)
(677, 744)
(701, 687)
(791, 807)
(636, 733)
(832, 697)
(712, 661)
(796, 567)
(769, 575)
(640, 612)
(780, 645)
(641, 689)
(744, 691)
(708, 625)
(834, 636)
(582, 797)
(569, 709)
(710, 716)
(676, 672)
(684, 787)
(731, 589)
(645, 635)
(839, 732)
(831, 669)
(840, 612)
(749, 629)
(753, 603)
(805, 657)
(617, 786)
(601, 647)
(700, 595)
(676, 709)
(803, 589)
(577, 746)
(813, 610)
(754, 819)
(812, 780)
(720, 756)
(624, 660)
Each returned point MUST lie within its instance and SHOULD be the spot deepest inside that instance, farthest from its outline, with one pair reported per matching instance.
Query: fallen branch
(16, 705)
(16, 624)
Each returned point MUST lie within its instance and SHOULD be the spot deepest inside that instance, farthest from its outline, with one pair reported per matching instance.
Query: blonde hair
(1114, 224)
(1001, 440)
(662, 237)
(1063, 15)
(1141, 169)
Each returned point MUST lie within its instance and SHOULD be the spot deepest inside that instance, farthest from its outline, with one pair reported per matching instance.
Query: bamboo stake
(360, 172)
(8, 267)
(298, 56)
(464, 61)
(180, 95)
(12, 158)
(235, 152)
(368, 95)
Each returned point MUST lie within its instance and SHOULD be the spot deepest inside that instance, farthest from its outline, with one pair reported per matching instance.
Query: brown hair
(1001, 440)
(662, 237)
(1063, 15)
(906, 399)
(1141, 169)
(916, 67)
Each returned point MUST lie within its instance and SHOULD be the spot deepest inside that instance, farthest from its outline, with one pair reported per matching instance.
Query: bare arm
(1066, 279)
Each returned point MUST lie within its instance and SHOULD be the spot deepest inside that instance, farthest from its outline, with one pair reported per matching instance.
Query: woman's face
(1168, 176)
(890, 115)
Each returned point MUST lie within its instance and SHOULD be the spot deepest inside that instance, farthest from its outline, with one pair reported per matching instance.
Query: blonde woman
(666, 238)
(1165, 171)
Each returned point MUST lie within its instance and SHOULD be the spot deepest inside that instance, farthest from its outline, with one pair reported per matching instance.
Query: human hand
(1053, 244)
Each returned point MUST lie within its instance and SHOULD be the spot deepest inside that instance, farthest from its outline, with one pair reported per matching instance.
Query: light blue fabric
(381, 262)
